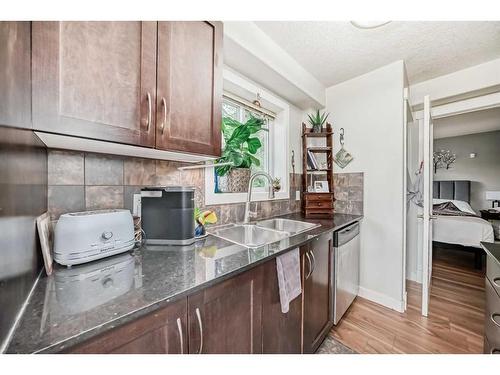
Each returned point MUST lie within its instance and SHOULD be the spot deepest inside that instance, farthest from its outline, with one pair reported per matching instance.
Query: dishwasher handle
(343, 236)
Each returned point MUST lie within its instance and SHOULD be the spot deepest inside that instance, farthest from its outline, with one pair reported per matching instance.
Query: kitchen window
(238, 109)
(238, 103)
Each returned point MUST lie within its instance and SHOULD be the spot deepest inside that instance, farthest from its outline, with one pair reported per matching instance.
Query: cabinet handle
(164, 105)
(200, 326)
(313, 262)
(310, 265)
(181, 337)
(493, 317)
(148, 99)
(496, 281)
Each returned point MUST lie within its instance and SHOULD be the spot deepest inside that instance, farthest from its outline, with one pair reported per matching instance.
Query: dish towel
(288, 269)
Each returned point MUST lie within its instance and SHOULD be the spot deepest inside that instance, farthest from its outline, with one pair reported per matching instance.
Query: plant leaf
(254, 160)
(253, 145)
(229, 122)
(255, 124)
(240, 135)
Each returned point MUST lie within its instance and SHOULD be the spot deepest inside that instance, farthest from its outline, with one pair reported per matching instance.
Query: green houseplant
(240, 147)
(317, 120)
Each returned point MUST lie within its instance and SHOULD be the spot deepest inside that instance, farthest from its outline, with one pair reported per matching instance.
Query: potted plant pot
(317, 120)
(238, 179)
(317, 129)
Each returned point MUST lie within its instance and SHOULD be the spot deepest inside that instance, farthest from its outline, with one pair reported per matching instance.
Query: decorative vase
(238, 179)
(317, 128)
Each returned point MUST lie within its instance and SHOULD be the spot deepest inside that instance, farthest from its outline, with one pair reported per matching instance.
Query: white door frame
(407, 117)
(427, 211)
(456, 108)
(462, 106)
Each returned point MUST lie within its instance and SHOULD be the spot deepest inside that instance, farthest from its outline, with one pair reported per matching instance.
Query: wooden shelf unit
(317, 205)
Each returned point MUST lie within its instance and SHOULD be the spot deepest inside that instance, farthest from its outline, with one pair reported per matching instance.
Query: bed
(459, 232)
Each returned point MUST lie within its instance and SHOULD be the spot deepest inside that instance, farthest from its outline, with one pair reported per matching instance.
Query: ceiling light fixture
(369, 24)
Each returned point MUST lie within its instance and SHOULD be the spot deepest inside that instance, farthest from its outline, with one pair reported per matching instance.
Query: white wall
(370, 109)
(483, 171)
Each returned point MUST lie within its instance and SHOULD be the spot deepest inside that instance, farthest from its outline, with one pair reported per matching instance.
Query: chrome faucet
(249, 194)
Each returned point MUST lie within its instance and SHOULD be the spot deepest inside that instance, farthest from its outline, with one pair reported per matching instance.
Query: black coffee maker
(167, 215)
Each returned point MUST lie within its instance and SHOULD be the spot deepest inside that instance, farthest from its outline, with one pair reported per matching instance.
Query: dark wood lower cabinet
(317, 259)
(162, 332)
(281, 333)
(227, 317)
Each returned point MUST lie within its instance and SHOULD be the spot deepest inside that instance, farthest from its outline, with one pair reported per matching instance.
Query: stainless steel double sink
(261, 233)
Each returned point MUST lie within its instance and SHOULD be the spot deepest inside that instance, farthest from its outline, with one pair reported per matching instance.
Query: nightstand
(487, 215)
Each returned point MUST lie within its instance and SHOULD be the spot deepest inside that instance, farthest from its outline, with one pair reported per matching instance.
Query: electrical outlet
(297, 195)
(136, 210)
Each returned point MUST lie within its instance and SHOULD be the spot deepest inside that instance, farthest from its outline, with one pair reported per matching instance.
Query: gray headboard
(457, 190)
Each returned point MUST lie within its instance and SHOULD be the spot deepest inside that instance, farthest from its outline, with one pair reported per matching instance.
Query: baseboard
(382, 299)
(415, 276)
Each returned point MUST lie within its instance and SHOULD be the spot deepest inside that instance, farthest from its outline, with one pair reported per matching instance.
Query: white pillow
(461, 205)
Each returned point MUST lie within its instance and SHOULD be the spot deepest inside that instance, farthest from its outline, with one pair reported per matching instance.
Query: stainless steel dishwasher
(346, 270)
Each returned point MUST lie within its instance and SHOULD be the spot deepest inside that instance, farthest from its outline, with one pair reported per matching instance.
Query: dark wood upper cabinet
(281, 333)
(189, 87)
(162, 332)
(227, 317)
(15, 74)
(95, 80)
(316, 268)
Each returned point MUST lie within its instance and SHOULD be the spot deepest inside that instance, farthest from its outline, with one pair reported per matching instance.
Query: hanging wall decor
(443, 159)
(342, 157)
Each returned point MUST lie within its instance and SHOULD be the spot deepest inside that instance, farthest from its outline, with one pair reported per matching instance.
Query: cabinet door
(15, 74)
(189, 87)
(281, 333)
(226, 318)
(317, 269)
(163, 331)
(95, 80)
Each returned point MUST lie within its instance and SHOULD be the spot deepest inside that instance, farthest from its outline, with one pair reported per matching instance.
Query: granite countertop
(493, 250)
(75, 304)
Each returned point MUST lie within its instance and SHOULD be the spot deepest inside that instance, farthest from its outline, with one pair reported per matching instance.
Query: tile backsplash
(84, 181)
(80, 181)
(348, 190)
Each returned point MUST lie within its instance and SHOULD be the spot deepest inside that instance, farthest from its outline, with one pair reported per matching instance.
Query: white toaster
(82, 237)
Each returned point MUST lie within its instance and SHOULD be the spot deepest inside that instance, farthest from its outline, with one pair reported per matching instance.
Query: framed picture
(321, 187)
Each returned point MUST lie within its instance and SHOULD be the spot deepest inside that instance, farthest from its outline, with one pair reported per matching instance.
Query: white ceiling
(468, 123)
(337, 51)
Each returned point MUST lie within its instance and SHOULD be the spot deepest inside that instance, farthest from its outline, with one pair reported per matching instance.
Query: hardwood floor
(455, 321)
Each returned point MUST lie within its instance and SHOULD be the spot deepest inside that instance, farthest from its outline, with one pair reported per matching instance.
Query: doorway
(416, 258)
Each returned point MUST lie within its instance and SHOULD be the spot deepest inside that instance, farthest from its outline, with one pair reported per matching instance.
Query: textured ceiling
(337, 51)
(468, 123)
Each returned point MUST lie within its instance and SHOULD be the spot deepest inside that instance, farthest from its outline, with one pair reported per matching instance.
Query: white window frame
(278, 143)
